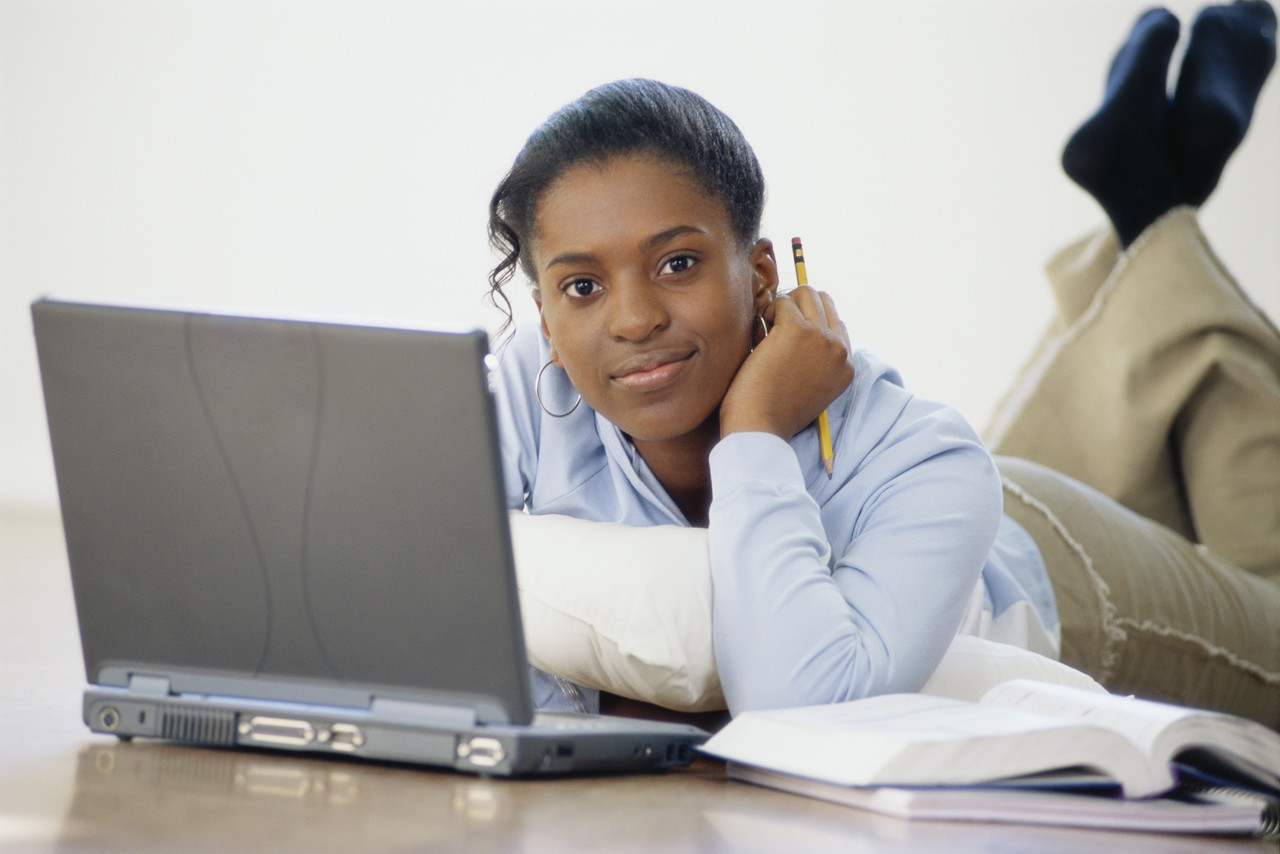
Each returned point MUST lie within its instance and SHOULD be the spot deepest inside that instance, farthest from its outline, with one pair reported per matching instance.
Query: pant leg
(1142, 610)
(1158, 384)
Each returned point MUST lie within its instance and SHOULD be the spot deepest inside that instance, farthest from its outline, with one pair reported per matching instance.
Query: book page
(1141, 721)
(913, 738)
(1162, 731)
(908, 717)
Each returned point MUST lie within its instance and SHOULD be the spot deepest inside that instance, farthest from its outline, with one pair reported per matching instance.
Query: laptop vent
(199, 726)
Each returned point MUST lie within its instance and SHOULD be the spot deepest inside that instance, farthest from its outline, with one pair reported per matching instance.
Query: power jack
(109, 718)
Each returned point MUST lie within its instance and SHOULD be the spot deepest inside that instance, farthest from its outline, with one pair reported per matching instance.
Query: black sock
(1119, 155)
(1231, 51)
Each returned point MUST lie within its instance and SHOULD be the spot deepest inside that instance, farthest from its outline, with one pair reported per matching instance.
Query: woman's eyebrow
(571, 258)
(663, 236)
(650, 243)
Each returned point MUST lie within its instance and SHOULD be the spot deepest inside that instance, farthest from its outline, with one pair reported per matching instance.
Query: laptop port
(109, 718)
(284, 732)
(343, 737)
(482, 751)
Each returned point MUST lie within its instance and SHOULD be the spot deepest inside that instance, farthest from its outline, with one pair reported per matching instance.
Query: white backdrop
(337, 156)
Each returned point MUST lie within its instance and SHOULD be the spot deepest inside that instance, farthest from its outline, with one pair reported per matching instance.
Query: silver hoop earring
(537, 393)
(764, 327)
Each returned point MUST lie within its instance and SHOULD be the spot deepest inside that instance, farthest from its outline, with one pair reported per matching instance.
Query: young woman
(669, 383)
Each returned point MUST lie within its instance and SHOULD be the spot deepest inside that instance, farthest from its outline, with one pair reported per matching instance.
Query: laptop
(293, 534)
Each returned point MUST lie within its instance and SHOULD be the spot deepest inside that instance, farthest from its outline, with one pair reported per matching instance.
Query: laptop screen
(314, 509)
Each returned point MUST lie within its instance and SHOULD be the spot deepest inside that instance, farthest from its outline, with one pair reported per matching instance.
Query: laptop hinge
(152, 686)
(417, 713)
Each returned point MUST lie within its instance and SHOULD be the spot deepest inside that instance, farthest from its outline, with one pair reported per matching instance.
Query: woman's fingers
(806, 309)
(810, 304)
(806, 306)
(834, 320)
(796, 372)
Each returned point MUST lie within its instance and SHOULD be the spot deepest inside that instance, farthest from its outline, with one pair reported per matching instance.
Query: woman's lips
(651, 371)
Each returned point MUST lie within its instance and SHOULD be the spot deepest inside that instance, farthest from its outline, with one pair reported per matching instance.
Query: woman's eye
(580, 288)
(678, 264)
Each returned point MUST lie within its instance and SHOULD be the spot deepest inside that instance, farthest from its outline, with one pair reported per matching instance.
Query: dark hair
(625, 117)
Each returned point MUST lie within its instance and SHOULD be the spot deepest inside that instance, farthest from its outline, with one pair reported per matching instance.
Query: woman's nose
(637, 311)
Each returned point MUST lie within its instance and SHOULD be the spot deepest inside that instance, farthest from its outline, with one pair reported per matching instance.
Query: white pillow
(620, 608)
(972, 665)
(628, 610)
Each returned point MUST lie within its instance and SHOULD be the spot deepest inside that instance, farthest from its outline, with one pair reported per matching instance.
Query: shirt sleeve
(512, 380)
(851, 587)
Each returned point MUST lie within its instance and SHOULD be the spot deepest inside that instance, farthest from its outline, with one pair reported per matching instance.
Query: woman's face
(646, 296)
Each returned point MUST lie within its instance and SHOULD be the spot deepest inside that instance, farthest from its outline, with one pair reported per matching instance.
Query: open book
(1018, 728)
(1211, 811)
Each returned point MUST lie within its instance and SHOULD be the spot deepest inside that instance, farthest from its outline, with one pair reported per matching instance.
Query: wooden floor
(63, 789)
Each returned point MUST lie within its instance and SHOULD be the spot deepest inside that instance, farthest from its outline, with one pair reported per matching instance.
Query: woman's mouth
(651, 371)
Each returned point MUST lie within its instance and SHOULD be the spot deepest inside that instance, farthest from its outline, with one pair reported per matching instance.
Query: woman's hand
(794, 373)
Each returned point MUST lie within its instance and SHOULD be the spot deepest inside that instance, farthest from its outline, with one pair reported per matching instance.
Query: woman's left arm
(911, 515)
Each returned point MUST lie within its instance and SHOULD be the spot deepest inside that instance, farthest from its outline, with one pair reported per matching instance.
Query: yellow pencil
(824, 428)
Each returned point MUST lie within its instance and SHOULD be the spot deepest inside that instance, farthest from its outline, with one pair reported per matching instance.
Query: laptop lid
(309, 511)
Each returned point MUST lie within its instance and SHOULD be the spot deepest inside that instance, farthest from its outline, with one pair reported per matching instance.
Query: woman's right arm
(832, 590)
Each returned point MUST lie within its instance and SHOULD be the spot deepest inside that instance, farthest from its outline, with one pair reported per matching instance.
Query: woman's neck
(682, 466)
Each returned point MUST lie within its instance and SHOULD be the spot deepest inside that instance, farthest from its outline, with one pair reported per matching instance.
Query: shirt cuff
(753, 461)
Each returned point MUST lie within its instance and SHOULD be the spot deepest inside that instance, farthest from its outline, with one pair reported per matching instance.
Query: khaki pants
(1142, 609)
(1158, 385)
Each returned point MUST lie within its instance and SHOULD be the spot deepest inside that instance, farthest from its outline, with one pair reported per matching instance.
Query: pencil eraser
(795, 241)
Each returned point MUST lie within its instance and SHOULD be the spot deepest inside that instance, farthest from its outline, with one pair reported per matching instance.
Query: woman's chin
(658, 427)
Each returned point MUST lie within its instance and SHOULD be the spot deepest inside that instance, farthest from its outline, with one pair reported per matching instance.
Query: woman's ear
(764, 270)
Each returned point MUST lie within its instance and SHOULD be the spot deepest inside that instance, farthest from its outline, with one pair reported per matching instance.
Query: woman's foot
(1120, 154)
(1230, 53)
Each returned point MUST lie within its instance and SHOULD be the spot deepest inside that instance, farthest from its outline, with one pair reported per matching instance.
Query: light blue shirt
(824, 589)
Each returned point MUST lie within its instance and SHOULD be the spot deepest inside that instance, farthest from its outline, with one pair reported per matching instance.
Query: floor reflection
(141, 797)
(131, 796)
(145, 797)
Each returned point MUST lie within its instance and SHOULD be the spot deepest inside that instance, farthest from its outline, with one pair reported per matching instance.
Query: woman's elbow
(850, 676)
